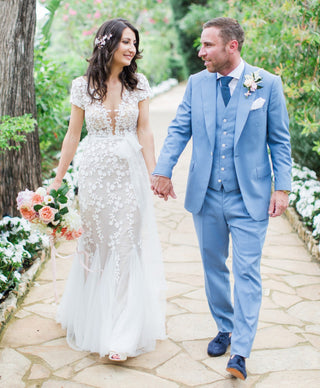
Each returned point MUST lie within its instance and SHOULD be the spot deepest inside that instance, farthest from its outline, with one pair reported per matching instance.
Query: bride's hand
(54, 186)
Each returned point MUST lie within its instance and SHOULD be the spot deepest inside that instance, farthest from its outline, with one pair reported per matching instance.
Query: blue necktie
(225, 89)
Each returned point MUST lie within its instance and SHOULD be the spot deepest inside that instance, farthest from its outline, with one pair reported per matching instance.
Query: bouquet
(50, 213)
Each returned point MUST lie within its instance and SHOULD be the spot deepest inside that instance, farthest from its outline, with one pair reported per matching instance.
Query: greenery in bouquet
(51, 214)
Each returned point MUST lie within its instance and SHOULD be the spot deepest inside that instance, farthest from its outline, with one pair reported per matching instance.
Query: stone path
(286, 352)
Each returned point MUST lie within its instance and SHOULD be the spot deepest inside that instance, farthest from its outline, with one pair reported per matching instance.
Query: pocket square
(258, 103)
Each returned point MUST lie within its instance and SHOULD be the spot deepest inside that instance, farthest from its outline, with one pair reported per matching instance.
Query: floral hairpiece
(100, 41)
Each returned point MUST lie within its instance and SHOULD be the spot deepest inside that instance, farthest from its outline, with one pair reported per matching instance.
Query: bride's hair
(106, 42)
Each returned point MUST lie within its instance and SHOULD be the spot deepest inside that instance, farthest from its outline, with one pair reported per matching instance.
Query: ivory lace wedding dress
(114, 296)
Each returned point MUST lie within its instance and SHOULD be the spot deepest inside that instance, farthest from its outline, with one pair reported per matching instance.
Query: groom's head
(221, 43)
(229, 29)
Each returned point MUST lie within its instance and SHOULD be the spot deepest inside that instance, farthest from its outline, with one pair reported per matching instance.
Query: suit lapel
(244, 104)
(209, 89)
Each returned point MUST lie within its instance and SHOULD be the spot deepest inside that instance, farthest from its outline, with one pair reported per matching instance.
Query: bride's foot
(116, 356)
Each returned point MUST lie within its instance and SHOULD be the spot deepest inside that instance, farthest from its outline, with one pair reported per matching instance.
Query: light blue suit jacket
(256, 131)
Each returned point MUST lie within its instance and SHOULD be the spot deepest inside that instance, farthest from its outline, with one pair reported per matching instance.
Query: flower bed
(19, 247)
(305, 198)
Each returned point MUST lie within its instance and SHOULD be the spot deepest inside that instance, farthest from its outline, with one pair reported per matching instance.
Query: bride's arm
(145, 136)
(69, 145)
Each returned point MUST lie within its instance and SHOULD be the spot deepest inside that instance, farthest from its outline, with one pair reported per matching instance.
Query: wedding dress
(114, 297)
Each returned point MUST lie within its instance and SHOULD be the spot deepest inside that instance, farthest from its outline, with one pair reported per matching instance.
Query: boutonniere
(252, 82)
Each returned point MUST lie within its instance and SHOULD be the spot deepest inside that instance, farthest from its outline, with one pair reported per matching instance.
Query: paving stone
(292, 379)
(279, 225)
(197, 349)
(301, 280)
(270, 269)
(192, 280)
(279, 286)
(267, 303)
(284, 300)
(315, 329)
(43, 291)
(314, 340)
(296, 358)
(291, 253)
(118, 376)
(275, 337)
(311, 292)
(182, 368)
(31, 330)
(163, 352)
(279, 317)
(13, 367)
(173, 309)
(185, 327)
(219, 364)
(63, 268)
(39, 371)
(64, 384)
(306, 311)
(183, 268)
(308, 268)
(192, 305)
(229, 382)
(181, 254)
(84, 363)
(22, 314)
(287, 240)
(175, 289)
(199, 294)
(66, 372)
(55, 355)
(48, 310)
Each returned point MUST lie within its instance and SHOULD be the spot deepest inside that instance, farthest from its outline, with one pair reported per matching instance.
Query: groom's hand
(162, 187)
(278, 203)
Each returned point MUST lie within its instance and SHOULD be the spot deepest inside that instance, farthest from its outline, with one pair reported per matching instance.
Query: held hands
(162, 187)
(278, 203)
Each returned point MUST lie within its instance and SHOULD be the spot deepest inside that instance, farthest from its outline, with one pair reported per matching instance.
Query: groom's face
(214, 52)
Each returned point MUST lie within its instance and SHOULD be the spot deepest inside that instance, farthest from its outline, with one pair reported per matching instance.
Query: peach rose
(36, 199)
(27, 211)
(46, 214)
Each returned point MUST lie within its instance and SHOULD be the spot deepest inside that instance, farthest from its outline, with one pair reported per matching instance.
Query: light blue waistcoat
(223, 173)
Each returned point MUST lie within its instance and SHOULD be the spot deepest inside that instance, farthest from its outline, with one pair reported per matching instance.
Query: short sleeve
(78, 92)
(144, 90)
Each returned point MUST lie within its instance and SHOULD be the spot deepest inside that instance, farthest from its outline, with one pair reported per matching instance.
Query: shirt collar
(236, 73)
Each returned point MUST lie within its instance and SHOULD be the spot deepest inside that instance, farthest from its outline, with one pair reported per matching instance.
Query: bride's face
(126, 49)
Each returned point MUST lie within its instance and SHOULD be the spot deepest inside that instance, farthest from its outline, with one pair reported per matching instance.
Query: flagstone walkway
(286, 352)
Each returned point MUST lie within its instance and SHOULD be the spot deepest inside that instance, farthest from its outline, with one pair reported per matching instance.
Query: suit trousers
(224, 214)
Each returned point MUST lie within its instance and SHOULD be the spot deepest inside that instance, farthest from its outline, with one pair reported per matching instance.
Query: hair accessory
(100, 41)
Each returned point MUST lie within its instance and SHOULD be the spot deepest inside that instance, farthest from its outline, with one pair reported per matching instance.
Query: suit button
(222, 168)
(219, 180)
(223, 157)
(224, 120)
(211, 153)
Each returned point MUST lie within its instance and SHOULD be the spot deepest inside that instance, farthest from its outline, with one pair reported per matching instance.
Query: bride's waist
(108, 134)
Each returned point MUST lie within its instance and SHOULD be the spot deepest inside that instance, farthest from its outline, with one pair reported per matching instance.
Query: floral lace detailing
(108, 203)
(98, 118)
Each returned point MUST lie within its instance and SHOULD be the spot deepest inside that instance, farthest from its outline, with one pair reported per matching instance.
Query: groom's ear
(233, 46)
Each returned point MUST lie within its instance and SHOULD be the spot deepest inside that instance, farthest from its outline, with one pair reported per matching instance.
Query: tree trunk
(18, 169)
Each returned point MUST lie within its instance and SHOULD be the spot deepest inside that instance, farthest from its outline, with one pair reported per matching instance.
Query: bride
(113, 302)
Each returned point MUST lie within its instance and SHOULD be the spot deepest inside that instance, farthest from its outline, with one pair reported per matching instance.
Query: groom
(235, 114)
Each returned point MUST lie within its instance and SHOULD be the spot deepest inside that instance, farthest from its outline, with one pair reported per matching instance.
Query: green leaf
(62, 199)
(64, 210)
(37, 207)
